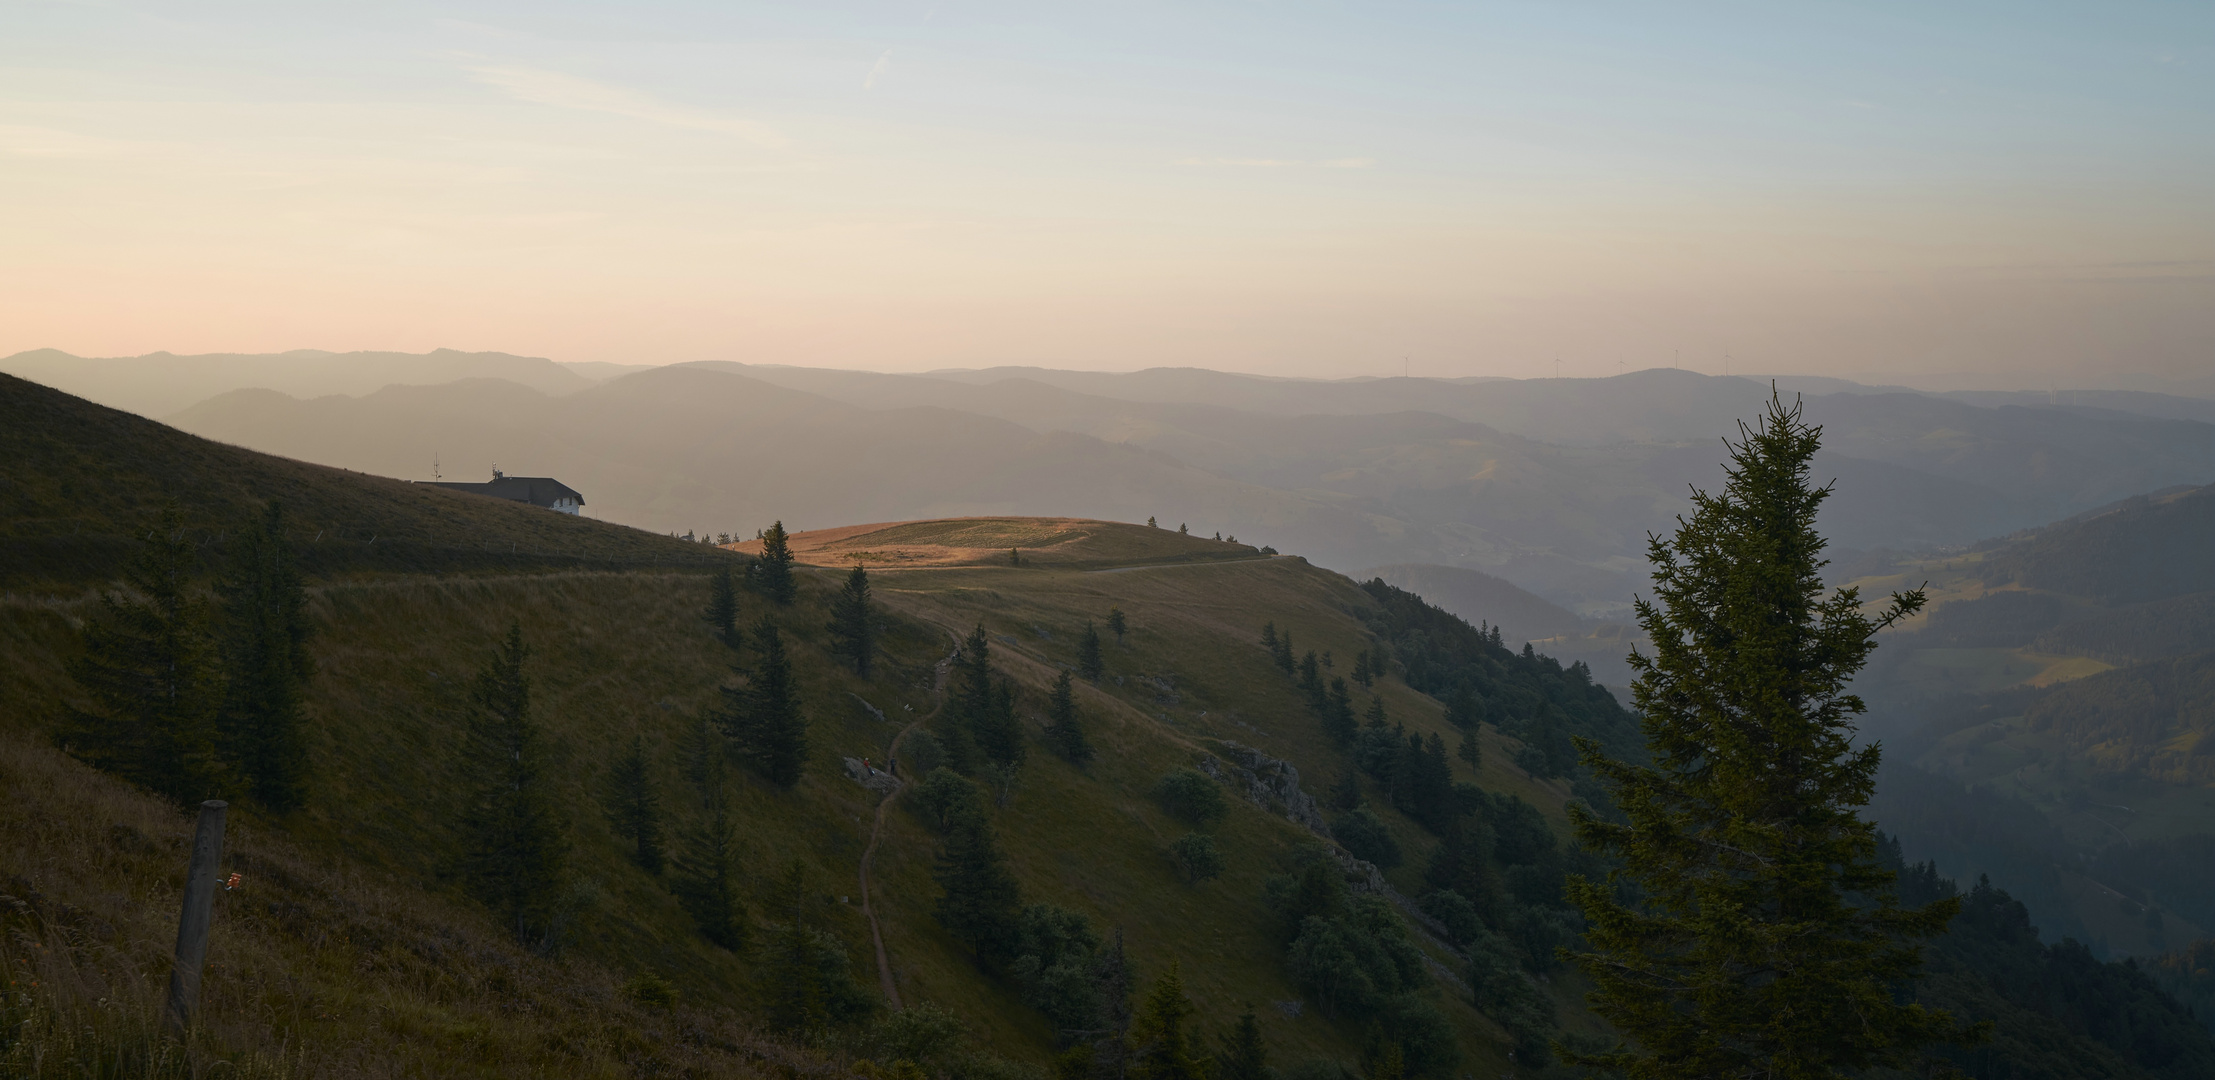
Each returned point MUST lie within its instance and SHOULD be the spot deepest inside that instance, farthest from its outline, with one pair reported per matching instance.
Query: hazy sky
(1316, 189)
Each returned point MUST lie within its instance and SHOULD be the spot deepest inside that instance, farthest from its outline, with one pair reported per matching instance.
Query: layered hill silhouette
(1550, 484)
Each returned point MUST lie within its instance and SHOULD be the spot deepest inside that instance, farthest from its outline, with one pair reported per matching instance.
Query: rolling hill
(353, 948)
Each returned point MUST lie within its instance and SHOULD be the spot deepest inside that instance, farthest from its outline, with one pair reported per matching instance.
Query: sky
(2023, 190)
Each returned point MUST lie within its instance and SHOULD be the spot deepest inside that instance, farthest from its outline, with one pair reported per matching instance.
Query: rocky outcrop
(1271, 783)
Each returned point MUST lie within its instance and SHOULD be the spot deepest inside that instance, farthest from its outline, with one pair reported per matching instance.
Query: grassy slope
(622, 651)
(79, 478)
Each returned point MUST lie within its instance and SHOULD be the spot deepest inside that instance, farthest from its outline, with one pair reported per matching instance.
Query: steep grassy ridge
(79, 479)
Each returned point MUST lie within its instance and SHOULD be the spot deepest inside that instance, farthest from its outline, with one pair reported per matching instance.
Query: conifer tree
(853, 636)
(151, 675)
(1015, 556)
(1111, 977)
(516, 852)
(1064, 731)
(1000, 732)
(1160, 1047)
(1244, 1056)
(1089, 663)
(1361, 674)
(794, 979)
(1150, 522)
(634, 807)
(722, 610)
(1117, 624)
(1763, 938)
(1311, 682)
(1284, 651)
(1182, 530)
(1470, 749)
(765, 719)
(1269, 638)
(1338, 713)
(263, 640)
(774, 573)
(969, 704)
(981, 897)
(708, 876)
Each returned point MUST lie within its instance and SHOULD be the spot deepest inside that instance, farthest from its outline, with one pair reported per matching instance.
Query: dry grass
(1062, 543)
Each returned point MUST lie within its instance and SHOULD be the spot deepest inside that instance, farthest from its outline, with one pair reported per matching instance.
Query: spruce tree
(999, 731)
(151, 675)
(722, 610)
(1470, 749)
(1111, 979)
(708, 876)
(1338, 713)
(516, 851)
(1361, 674)
(1064, 731)
(853, 635)
(798, 1003)
(970, 702)
(1750, 930)
(764, 717)
(1462, 709)
(634, 807)
(1117, 624)
(981, 897)
(1160, 1047)
(1089, 663)
(1311, 682)
(773, 576)
(1269, 639)
(1284, 656)
(1244, 1056)
(263, 639)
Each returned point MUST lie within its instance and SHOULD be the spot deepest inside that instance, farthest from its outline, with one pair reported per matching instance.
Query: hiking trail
(869, 853)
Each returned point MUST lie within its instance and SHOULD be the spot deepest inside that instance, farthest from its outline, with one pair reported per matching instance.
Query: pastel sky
(1294, 188)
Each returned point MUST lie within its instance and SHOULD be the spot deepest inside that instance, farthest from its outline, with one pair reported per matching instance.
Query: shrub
(946, 795)
(1365, 834)
(1196, 857)
(920, 753)
(1192, 797)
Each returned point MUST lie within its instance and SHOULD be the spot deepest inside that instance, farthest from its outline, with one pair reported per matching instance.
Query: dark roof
(536, 490)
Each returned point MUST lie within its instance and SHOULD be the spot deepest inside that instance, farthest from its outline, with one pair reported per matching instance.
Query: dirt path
(876, 829)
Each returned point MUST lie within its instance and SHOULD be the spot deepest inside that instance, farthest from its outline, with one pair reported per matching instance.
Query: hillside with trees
(1148, 800)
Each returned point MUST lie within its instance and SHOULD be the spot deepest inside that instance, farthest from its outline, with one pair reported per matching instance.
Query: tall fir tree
(980, 898)
(634, 807)
(1750, 930)
(722, 610)
(1000, 731)
(708, 880)
(1338, 712)
(1311, 682)
(1285, 659)
(516, 850)
(1470, 749)
(1111, 979)
(151, 675)
(1361, 674)
(1462, 708)
(792, 978)
(970, 703)
(263, 639)
(764, 717)
(1269, 639)
(1161, 1049)
(1245, 1056)
(773, 574)
(853, 634)
(1064, 729)
(1089, 662)
(1118, 624)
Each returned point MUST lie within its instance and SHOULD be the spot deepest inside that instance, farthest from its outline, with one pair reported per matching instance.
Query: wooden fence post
(192, 922)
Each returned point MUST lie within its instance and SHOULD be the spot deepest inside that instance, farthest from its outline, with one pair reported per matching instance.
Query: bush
(1365, 834)
(1459, 915)
(924, 1034)
(1196, 857)
(1192, 797)
(1425, 1038)
(946, 795)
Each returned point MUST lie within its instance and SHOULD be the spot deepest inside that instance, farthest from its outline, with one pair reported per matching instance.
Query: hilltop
(1060, 543)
